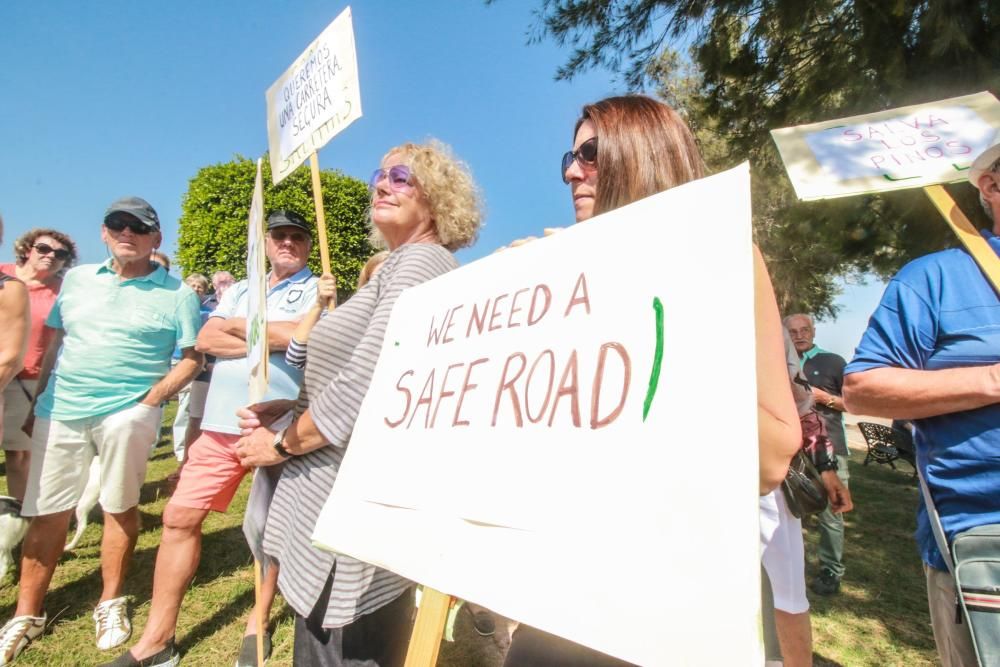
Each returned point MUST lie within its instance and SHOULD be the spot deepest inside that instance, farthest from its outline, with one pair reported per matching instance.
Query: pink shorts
(212, 474)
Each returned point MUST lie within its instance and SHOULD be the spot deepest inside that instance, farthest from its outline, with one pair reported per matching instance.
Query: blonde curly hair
(452, 195)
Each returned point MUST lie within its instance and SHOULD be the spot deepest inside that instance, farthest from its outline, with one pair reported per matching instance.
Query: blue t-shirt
(229, 390)
(118, 337)
(940, 312)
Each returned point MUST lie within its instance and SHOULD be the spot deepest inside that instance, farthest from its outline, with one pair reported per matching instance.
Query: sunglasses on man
(279, 235)
(134, 225)
(400, 178)
(45, 249)
(586, 155)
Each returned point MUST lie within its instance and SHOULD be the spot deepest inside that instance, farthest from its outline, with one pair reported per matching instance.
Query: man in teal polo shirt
(104, 376)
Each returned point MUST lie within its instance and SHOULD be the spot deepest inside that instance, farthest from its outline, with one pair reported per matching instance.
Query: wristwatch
(832, 403)
(279, 438)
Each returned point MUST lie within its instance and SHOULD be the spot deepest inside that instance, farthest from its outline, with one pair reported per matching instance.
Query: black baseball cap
(282, 217)
(137, 207)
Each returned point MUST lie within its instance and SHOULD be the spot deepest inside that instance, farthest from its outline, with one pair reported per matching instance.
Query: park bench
(887, 444)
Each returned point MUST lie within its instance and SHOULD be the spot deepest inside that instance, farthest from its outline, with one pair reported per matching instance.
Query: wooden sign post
(324, 248)
(966, 233)
(428, 629)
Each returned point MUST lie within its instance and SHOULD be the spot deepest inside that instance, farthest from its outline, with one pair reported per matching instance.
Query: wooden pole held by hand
(259, 611)
(324, 248)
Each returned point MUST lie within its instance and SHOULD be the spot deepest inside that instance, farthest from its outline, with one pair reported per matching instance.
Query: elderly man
(213, 472)
(825, 373)
(103, 378)
(931, 353)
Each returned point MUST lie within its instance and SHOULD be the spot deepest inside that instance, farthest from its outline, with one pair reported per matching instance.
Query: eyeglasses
(400, 178)
(45, 249)
(135, 226)
(586, 155)
(279, 235)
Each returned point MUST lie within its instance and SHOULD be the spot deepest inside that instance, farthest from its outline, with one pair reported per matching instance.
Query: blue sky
(103, 99)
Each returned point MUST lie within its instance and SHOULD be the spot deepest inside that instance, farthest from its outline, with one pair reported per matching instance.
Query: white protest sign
(316, 98)
(256, 334)
(565, 432)
(908, 147)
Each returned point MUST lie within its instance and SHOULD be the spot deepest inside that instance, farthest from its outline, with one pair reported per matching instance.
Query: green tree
(213, 223)
(756, 65)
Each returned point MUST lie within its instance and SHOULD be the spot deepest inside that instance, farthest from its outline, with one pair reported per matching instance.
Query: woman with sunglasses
(43, 256)
(424, 206)
(624, 149)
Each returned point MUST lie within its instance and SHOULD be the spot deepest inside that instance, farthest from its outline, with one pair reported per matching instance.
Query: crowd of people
(89, 355)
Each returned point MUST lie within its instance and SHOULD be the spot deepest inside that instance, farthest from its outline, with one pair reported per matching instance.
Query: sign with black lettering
(908, 147)
(316, 98)
(565, 432)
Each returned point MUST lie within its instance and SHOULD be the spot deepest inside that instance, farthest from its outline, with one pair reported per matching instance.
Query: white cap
(982, 164)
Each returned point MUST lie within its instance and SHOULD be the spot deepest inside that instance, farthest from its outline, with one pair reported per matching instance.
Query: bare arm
(48, 363)
(17, 322)
(828, 400)
(257, 449)
(903, 393)
(183, 372)
(326, 292)
(779, 433)
(226, 337)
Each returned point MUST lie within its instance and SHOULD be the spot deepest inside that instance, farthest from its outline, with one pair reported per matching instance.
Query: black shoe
(483, 622)
(168, 657)
(827, 583)
(248, 650)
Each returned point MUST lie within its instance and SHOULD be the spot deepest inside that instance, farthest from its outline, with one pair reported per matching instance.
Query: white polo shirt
(287, 301)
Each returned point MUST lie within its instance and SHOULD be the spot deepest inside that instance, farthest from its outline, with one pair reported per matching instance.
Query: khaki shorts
(16, 406)
(61, 452)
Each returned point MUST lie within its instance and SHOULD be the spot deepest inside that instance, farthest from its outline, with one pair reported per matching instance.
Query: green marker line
(654, 374)
(904, 178)
(957, 168)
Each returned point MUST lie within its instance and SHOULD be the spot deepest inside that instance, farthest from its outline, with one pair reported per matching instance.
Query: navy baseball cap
(282, 217)
(137, 207)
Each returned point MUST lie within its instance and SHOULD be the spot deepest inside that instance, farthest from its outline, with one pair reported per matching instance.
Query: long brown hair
(643, 147)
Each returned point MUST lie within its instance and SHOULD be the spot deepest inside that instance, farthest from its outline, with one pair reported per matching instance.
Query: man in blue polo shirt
(931, 353)
(105, 373)
(213, 471)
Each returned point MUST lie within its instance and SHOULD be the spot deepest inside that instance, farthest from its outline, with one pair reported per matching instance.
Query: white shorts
(783, 553)
(16, 406)
(196, 404)
(61, 452)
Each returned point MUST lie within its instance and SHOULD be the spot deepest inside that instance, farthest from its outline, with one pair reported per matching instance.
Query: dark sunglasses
(279, 235)
(45, 249)
(586, 155)
(400, 178)
(135, 226)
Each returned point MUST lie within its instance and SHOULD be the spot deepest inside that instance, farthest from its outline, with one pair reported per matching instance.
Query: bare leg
(176, 563)
(17, 463)
(268, 588)
(43, 546)
(795, 637)
(120, 534)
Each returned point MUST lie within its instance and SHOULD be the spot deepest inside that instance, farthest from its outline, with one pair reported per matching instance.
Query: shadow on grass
(224, 552)
(882, 595)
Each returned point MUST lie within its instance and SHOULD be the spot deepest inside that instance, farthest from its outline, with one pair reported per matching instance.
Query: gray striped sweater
(342, 351)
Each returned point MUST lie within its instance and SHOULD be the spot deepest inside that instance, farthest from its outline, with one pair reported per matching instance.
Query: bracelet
(832, 403)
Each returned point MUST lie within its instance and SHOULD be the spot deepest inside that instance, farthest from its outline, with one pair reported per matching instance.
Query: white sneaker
(113, 625)
(17, 634)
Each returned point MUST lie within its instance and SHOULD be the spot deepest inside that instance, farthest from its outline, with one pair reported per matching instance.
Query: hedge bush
(213, 224)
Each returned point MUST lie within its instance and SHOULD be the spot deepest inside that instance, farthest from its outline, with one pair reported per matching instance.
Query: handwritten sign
(555, 432)
(316, 98)
(899, 148)
(256, 333)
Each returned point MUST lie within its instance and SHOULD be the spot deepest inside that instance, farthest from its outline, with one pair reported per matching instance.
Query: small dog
(12, 530)
(87, 502)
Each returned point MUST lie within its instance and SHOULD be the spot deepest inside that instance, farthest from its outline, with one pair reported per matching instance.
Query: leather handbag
(803, 486)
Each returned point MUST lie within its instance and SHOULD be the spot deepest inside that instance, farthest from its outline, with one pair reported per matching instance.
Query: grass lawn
(879, 619)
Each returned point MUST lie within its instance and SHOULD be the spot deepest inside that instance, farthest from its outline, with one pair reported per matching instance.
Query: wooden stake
(259, 610)
(966, 233)
(425, 642)
(324, 249)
